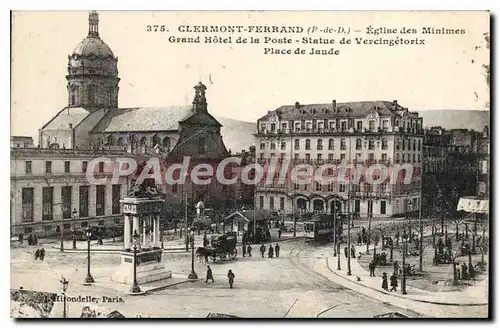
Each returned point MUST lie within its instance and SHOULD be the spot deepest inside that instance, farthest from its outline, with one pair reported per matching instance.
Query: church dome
(92, 45)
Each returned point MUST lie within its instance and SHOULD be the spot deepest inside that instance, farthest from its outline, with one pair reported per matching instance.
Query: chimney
(395, 103)
(70, 126)
(297, 105)
(486, 132)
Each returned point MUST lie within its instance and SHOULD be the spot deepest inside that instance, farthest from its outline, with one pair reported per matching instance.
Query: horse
(202, 253)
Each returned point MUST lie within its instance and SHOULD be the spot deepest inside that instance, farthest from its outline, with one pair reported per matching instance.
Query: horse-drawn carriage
(223, 246)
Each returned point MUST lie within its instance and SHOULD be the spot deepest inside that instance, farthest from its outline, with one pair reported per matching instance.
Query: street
(263, 287)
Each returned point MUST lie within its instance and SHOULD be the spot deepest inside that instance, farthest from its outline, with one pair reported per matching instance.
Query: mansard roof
(359, 109)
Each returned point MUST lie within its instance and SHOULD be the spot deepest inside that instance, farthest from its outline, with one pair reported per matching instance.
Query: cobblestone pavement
(263, 287)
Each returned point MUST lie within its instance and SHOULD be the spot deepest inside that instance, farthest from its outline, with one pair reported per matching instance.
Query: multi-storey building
(21, 142)
(435, 151)
(361, 133)
(48, 185)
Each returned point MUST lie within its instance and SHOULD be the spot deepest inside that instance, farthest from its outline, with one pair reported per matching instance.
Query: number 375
(156, 28)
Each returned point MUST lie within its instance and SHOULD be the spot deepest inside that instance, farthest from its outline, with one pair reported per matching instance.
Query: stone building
(366, 133)
(93, 125)
(47, 185)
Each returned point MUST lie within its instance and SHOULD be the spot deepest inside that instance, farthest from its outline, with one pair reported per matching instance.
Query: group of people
(271, 251)
(353, 252)
(394, 282)
(210, 276)
(40, 254)
(32, 239)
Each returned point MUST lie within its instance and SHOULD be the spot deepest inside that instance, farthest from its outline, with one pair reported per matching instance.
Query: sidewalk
(471, 296)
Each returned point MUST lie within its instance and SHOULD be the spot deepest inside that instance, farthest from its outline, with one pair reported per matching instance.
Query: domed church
(93, 120)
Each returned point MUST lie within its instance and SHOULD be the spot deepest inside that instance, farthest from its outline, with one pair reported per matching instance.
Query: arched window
(143, 144)
(308, 144)
(110, 140)
(384, 144)
(166, 143)
(358, 143)
(156, 141)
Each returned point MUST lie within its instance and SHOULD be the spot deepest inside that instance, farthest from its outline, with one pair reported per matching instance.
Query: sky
(243, 83)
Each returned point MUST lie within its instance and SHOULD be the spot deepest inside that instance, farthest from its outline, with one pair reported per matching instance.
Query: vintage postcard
(220, 164)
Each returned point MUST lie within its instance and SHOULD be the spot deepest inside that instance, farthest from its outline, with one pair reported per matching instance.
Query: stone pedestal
(150, 267)
(142, 215)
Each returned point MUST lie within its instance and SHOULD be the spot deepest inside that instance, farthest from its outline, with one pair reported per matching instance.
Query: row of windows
(343, 125)
(28, 198)
(370, 143)
(406, 158)
(67, 167)
(409, 144)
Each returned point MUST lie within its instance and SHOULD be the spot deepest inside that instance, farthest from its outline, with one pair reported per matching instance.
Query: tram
(320, 227)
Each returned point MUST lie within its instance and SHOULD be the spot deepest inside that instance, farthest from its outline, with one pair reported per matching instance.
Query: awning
(473, 205)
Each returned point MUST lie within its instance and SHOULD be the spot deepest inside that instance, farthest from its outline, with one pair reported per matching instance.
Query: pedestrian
(37, 254)
(346, 252)
(262, 250)
(396, 267)
(30, 239)
(371, 266)
(42, 253)
(359, 256)
(363, 231)
(384, 282)
(270, 252)
(277, 250)
(230, 276)
(279, 233)
(465, 275)
(205, 240)
(394, 282)
(99, 240)
(244, 250)
(21, 238)
(209, 275)
(353, 252)
(249, 250)
(359, 239)
(35, 239)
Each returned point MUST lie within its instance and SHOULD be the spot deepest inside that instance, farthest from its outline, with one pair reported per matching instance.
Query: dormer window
(312, 111)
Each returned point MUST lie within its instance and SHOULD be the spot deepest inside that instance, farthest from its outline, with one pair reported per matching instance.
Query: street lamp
(403, 283)
(193, 274)
(348, 245)
(135, 242)
(75, 213)
(89, 279)
(410, 204)
(64, 284)
(338, 256)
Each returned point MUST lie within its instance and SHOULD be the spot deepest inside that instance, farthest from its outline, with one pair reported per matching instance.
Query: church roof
(93, 46)
(67, 116)
(142, 119)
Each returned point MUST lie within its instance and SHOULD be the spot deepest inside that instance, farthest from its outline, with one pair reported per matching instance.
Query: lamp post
(135, 242)
(338, 257)
(62, 234)
(410, 204)
(334, 231)
(75, 213)
(403, 283)
(348, 245)
(64, 284)
(193, 274)
(88, 279)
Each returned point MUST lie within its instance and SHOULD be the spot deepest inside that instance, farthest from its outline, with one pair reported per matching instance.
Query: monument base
(150, 267)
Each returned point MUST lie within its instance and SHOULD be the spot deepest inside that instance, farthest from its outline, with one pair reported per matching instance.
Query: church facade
(92, 125)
